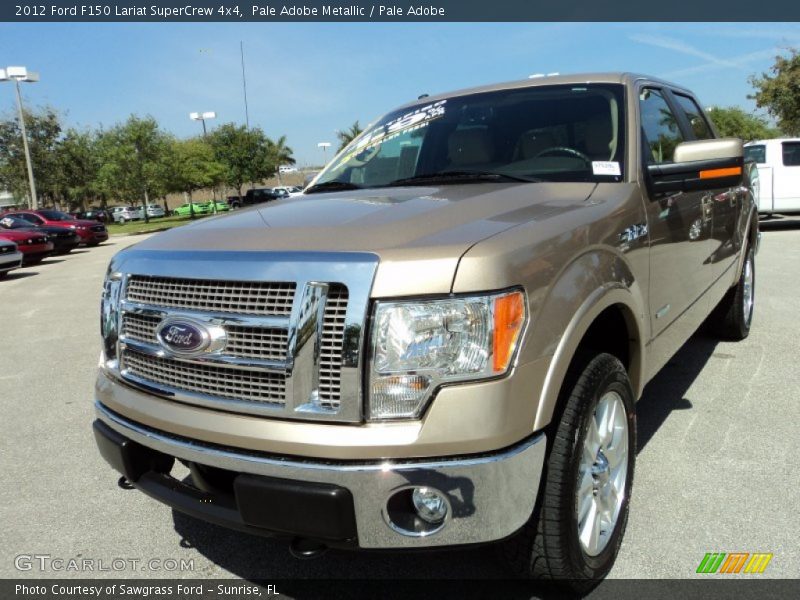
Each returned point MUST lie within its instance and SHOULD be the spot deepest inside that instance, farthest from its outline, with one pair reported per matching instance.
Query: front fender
(598, 279)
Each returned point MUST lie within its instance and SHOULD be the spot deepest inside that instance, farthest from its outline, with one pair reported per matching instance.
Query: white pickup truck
(778, 164)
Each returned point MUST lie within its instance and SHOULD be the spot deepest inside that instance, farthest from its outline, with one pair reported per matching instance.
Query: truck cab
(778, 162)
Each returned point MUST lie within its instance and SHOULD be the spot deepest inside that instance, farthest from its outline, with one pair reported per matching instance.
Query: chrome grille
(331, 347)
(222, 382)
(243, 297)
(243, 342)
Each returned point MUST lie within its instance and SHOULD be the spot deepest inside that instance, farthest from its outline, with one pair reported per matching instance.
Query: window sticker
(604, 167)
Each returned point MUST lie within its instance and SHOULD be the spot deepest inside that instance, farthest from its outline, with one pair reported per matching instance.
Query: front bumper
(491, 495)
(9, 261)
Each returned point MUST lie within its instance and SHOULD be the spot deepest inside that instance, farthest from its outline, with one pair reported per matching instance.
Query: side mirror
(700, 165)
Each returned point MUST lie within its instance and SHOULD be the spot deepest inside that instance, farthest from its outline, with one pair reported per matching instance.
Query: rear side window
(694, 114)
(756, 153)
(791, 154)
(659, 125)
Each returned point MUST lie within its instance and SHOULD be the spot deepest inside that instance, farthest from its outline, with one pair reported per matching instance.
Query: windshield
(553, 133)
(55, 215)
(13, 223)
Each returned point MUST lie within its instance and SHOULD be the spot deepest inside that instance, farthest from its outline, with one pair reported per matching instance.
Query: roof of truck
(546, 80)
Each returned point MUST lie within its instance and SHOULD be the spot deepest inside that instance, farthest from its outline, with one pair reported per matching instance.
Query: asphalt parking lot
(717, 463)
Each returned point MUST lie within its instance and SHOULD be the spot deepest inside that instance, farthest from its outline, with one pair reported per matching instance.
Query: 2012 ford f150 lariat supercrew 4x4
(441, 341)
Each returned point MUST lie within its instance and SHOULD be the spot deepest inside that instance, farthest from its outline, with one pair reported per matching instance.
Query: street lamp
(324, 146)
(196, 116)
(202, 117)
(17, 74)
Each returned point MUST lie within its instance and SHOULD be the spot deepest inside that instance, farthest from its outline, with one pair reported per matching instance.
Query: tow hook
(305, 549)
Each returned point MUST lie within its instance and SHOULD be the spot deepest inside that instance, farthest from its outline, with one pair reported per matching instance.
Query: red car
(90, 232)
(33, 245)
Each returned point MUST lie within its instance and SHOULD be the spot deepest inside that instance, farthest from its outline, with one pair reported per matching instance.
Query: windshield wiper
(329, 186)
(459, 177)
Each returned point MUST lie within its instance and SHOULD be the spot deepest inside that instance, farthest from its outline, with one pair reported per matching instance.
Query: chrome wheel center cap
(601, 471)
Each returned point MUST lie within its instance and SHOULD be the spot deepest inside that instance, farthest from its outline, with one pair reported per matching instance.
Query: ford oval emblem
(181, 336)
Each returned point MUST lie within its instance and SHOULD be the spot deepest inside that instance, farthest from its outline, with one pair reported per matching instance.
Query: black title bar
(400, 11)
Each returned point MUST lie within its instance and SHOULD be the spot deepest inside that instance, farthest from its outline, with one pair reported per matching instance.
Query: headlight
(418, 345)
(109, 314)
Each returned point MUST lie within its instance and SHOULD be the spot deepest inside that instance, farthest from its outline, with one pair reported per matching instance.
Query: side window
(694, 114)
(791, 154)
(31, 218)
(757, 153)
(659, 125)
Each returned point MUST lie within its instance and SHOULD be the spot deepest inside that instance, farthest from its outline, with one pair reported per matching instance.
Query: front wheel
(577, 527)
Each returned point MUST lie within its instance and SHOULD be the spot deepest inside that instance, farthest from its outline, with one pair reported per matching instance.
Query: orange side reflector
(717, 173)
(509, 316)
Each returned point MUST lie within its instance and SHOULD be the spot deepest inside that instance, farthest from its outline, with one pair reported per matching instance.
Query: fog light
(429, 504)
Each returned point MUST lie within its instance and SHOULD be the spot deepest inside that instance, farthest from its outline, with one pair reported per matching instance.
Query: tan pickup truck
(441, 342)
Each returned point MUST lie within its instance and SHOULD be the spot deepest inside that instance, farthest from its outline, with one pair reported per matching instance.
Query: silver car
(10, 257)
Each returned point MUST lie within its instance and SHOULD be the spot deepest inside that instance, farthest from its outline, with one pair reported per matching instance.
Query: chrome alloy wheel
(748, 289)
(602, 474)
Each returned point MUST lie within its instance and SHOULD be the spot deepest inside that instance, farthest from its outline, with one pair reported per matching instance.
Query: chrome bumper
(491, 495)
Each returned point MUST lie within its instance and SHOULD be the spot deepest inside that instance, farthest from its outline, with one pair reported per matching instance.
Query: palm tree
(281, 154)
(348, 135)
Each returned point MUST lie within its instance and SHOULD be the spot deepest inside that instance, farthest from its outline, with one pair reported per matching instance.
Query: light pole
(17, 74)
(324, 146)
(198, 116)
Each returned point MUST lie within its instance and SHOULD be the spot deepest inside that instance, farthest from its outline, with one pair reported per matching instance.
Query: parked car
(100, 215)
(155, 210)
(289, 190)
(778, 163)
(446, 335)
(185, 210)
(91, 233)
(124, 214)
(64, 239)
(222, 206)
(256, 196)
(34, 246)
(10, 257)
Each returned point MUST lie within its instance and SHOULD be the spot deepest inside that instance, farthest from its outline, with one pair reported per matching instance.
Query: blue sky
(308, 80)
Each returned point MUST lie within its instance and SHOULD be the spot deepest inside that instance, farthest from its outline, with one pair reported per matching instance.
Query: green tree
(44, 129)
(243, 153)
(735, 122)
(135, 155)
(281, 154)
(348, 135)
(778, 91)
(192, 166)
(77, 160)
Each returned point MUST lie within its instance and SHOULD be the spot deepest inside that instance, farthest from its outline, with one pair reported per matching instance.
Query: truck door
(787, 177)
(725, 203)
(679, 222)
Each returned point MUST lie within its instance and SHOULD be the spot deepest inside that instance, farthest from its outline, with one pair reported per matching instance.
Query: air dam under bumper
(490, 496)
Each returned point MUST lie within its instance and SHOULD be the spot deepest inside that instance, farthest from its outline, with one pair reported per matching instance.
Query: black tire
(732, 317)
(548, 546)
(3, 274)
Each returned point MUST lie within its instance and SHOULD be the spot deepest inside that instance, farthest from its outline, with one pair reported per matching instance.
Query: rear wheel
(577, 527)
(732, 317)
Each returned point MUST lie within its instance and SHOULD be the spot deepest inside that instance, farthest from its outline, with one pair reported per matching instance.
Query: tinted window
(694, 114)
(555, 133)
(29, 218)
(791, 154)
(55, 215)
(660, 127)
(756, 153)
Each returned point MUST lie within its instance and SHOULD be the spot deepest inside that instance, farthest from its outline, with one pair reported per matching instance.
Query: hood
(443, 219)
(403, 226)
